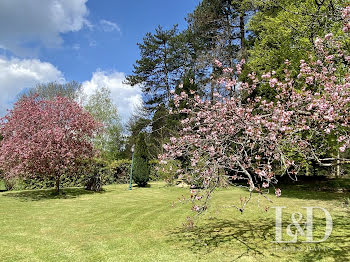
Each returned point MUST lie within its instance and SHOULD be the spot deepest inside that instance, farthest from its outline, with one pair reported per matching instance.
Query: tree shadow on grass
(336, 247)
(238, 239)
(235, 238)
(45, 194)
(312, 194)
(314, 188)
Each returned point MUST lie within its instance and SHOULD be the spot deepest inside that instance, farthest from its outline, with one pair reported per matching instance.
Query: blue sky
(93, 42)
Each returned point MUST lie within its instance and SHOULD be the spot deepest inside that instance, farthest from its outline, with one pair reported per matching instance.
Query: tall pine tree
(159, 68)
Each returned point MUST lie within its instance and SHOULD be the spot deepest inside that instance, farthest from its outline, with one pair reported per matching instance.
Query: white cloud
(109, 26)
(126, 97)
(16, 75)
(39, 22)
(76, 47)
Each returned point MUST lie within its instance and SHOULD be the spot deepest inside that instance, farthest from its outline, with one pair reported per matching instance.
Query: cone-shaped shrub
(141, 169)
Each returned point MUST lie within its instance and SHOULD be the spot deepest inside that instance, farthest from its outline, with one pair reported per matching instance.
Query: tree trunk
(166, 72)
(57, 184)
(212, 86)
(242, 33)
(338, 164)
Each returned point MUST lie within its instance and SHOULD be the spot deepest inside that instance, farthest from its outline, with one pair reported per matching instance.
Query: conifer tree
(141, 171)
(158, 69)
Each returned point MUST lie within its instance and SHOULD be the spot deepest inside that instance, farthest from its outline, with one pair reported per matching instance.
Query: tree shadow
(137, 186)
(315, 188)
(45, 194)
(312, 194)
(337, 246)
(238, 239)
(249, 237)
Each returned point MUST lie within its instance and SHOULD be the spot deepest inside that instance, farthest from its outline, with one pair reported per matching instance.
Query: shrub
(168, 171)
(120, 170)
(141, 171)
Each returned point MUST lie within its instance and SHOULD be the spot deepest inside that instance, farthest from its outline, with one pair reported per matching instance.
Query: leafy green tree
(287, 30)
(164, 126)
(101, 106)
(141, 171)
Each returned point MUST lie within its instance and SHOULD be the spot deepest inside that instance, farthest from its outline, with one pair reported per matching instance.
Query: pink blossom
(278, 192)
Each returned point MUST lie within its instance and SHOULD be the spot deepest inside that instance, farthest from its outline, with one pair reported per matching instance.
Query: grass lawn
(141, 225)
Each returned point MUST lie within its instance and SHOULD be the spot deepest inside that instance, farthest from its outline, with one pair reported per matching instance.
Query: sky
(90, 41)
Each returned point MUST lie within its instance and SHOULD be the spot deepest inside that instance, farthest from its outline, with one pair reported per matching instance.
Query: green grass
(141, 225)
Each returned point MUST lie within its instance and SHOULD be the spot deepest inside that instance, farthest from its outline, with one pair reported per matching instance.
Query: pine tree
(141, 171)
(159, 69)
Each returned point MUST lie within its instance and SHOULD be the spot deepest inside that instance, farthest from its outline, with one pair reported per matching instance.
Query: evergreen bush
(141, 171)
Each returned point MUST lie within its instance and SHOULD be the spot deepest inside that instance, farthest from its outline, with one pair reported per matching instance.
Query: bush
(10, 183)
(93, 178)
(167, 172)
(141, 171)
(121, 171)
(153, 168)
(96, 173)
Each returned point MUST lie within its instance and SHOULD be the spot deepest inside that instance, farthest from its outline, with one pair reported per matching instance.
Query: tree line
(226, 43)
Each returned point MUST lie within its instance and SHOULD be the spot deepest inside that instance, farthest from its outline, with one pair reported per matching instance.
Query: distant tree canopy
(71, 90)
(110, 140)
(288, 29)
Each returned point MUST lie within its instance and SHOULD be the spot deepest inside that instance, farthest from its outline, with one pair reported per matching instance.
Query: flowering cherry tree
(244, 136)
(46, 137)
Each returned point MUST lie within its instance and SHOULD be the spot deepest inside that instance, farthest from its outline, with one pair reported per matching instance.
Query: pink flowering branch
(242, 137)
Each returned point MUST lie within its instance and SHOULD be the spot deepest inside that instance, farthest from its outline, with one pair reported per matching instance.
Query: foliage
(46, 138)
(138, 122)
(168, 172)
(218, 30)
(141, 170)
(101, 107)
(287, 30)
(163, 127)
(115, 172)
(121, 170)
